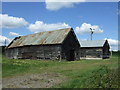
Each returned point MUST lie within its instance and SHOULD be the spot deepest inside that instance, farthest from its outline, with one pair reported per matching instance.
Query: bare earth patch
(45, 80)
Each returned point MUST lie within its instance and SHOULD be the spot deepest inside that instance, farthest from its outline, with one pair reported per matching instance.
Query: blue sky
(41, 16)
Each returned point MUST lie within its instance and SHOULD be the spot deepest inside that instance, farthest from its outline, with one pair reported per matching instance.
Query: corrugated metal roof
(42, 38)
(92, 43)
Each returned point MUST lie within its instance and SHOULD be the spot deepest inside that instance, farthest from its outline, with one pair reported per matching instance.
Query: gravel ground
(45, 80)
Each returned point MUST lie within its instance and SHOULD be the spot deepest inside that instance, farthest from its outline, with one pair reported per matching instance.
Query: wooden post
(60, 56)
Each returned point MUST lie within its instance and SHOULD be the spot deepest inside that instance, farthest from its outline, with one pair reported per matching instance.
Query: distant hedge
(116, 53)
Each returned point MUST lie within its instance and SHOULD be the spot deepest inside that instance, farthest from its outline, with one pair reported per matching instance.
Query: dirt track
(45, 80)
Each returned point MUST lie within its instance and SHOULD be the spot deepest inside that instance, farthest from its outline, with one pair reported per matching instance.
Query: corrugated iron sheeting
(92, 43)
(47, 37)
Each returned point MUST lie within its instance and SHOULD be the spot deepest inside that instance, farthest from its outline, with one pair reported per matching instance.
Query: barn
(94, 49)
(52, 45)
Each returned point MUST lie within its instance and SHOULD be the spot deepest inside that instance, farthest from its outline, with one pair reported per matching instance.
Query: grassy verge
(80, 74)
(101, 77)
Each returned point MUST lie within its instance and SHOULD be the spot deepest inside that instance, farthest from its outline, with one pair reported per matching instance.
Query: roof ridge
(45, 31)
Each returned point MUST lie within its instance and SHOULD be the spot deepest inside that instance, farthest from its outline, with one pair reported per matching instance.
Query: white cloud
(11, 22)
(56, 5)
(40, 26)
(113, 42)
(14, 34)
(85, 28)
(3, 39)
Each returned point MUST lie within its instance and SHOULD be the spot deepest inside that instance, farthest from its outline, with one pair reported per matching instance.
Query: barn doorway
(71, 55)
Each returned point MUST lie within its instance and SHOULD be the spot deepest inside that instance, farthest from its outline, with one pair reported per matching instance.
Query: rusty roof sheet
(42, 38)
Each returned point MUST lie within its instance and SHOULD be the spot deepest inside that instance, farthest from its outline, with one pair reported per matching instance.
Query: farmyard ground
(65, 74)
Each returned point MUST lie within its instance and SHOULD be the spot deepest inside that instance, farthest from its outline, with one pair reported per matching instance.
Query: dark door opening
(71, 55)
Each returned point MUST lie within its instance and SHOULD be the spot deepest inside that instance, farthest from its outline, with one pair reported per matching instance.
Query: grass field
(78, 74)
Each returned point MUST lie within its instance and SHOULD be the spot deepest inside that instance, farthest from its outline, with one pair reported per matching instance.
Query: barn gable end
(70, 47)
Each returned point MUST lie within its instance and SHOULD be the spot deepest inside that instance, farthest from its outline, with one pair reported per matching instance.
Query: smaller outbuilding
(94, 49)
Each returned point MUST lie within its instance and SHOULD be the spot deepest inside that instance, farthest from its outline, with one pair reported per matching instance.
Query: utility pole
(91, 32)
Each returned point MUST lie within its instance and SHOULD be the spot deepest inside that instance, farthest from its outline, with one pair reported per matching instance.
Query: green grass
(79, 74)
(101, 77)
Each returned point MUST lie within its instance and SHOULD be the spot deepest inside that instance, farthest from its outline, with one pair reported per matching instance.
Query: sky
(24, 18)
